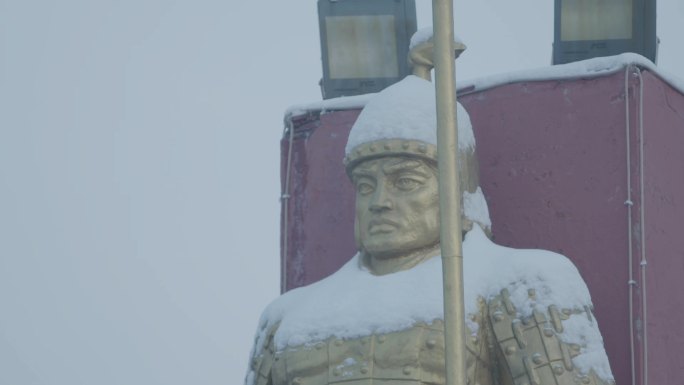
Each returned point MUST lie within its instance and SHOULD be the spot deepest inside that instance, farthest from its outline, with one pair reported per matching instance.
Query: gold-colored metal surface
(421, 58)
(469, 175)
(397, 212)
(531, 350)
(390, 147)
(450, 204)
(412, 356)
(506, 349)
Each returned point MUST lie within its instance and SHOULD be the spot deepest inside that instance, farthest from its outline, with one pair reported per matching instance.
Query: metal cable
(285, 202)
(631, 283)
(642, 209)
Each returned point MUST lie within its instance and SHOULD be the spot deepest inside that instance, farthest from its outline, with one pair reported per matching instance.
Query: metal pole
(449, 192)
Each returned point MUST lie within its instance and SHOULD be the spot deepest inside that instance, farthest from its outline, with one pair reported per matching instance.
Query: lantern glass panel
(596, 19)
(362, 46)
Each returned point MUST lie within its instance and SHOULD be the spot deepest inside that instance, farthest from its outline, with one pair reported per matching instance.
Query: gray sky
(139, 172)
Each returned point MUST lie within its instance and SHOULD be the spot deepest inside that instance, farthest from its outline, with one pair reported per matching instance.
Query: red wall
(553, 169)
(664, 241)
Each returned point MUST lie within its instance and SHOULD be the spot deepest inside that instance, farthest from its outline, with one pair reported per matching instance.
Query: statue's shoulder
(281, 323)
(540, 314)
(297, 302)
(542, 342)
(262, 356)
(521, 271)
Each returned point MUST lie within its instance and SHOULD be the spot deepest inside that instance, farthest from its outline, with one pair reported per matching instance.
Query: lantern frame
(356, 66)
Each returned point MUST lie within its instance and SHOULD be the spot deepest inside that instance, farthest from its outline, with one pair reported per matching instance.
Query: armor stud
(555, 318)
(537, 358)
(510, 350)
(506, 299)
(518, 333)
(531, 372)
(567, 359)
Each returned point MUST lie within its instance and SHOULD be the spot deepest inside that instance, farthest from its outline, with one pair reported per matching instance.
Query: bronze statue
(379, 319)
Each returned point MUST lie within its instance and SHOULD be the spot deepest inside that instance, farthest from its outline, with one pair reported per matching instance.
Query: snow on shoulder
(353, 302)
(489, 268)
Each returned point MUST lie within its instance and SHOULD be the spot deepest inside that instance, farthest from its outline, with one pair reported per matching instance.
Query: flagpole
(449, 192)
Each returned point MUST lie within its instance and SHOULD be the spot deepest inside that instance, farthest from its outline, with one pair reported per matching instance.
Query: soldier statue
(379, 319)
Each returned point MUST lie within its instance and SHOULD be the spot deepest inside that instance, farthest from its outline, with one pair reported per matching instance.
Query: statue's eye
(364, 188)
(406, 184)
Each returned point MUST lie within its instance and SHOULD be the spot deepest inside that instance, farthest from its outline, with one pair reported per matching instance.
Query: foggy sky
(139, 172)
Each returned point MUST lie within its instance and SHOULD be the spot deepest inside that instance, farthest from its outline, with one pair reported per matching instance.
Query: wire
(642, 209)
(285, 203)
(629, 205)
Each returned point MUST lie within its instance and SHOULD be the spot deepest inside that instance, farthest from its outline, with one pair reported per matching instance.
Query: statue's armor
(505, 350)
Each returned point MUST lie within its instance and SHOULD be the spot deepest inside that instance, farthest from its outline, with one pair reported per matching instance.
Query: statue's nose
(381, 200)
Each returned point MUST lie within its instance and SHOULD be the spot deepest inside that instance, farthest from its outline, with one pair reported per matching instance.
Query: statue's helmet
(401, 120)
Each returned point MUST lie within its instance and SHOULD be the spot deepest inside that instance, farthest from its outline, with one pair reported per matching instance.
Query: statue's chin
(402, 254)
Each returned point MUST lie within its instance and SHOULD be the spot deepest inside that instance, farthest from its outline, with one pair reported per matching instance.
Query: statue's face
(397, 206)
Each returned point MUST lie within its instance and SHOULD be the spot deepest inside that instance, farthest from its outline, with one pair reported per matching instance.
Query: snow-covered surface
(582, 69)
(341, 103)
(475, 208)
(425, 34)
(353, 302)
(421, 36)
(405, 110)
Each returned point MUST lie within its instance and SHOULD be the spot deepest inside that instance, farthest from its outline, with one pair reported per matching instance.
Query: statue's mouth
(380, 226)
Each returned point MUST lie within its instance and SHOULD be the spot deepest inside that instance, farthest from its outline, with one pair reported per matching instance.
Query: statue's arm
(261, 361)
(531, 350)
